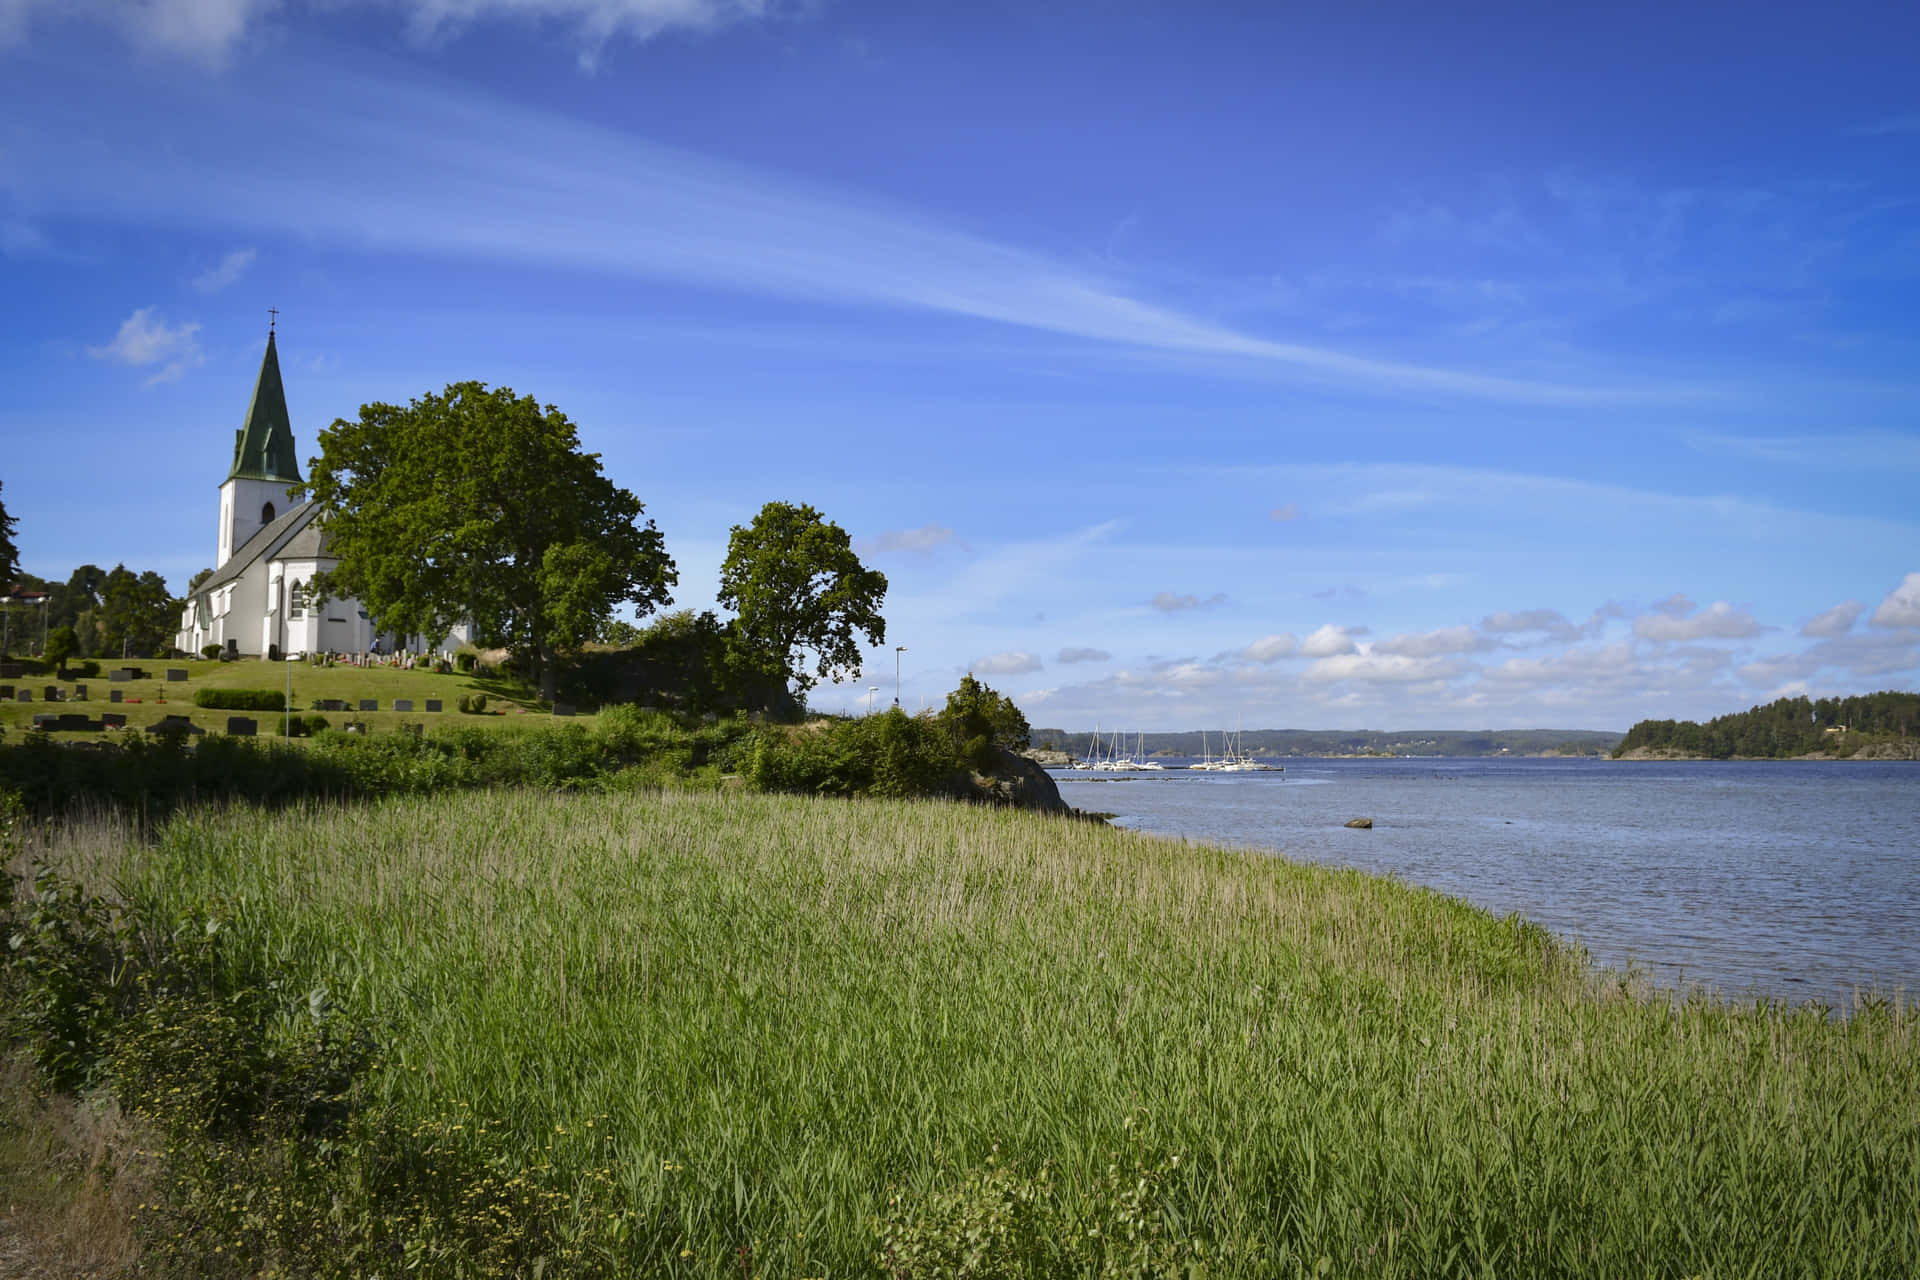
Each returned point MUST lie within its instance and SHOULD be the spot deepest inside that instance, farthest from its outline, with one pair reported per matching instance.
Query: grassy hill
(726, 1034)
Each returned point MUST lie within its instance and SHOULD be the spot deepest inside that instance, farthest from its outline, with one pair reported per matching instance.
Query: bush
(304, 726)
(86, 670)
(464, 662)
(893, 754)
(209, 651)
(240, 699)
(472, 704)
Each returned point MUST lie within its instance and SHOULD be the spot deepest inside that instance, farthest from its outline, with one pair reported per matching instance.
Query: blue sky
(1310, 366)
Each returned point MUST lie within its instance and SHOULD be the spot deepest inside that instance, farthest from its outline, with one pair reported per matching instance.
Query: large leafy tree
(795, 584)
(479, 504)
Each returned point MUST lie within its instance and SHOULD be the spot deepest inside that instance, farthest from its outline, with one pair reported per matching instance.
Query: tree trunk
(549, 677)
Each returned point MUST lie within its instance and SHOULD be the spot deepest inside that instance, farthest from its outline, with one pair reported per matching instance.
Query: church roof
(263, 446)
(295, 535)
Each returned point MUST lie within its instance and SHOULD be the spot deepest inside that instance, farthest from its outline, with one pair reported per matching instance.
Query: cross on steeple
(273, 314)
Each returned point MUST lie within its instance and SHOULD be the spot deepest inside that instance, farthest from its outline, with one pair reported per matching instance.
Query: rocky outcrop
(1050, 759)
(1019, 783)
(1360, 824)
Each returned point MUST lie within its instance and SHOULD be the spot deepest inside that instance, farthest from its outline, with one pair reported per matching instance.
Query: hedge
(240, 699)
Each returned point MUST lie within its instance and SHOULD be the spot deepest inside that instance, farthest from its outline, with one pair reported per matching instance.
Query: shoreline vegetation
(724, 1033)
(1874, 726)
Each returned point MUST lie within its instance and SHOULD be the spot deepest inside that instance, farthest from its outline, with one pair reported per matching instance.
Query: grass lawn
(146, 701)
(728, 1034)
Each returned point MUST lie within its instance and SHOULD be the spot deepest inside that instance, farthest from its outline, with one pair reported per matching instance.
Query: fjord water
(1788, 880)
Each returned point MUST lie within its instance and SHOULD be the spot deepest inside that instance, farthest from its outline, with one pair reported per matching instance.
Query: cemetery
(381, 698)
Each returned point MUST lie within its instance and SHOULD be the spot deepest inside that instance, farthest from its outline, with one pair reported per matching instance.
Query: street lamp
(871, 690)
(897, 651)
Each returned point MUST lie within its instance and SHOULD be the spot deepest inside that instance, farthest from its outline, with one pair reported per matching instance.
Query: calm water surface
(1787, 879)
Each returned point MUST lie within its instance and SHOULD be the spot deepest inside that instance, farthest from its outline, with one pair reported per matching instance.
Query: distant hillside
(1871, 724)
(1354, 742)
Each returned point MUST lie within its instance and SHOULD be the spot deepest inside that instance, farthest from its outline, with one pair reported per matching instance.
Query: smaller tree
(9, 554)
(982, 721)
(62, 644)
(795, 584)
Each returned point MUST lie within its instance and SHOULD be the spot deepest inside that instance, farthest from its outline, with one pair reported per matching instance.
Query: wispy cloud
(1169, 602)
(1290, 511)
(1427, 644)
(230, 269)
(437, 169)
(145, 339)
(926, 538)
(208, 30)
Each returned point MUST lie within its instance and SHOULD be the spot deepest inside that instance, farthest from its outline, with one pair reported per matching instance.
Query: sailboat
(1140, 760)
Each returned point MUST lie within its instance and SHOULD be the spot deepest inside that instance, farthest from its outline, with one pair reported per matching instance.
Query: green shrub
(464, 662)
(209, 651)
(240, 699)
(86, 670)
(892, 754)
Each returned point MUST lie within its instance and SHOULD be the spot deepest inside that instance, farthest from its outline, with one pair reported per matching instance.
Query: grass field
(147, 701)
(738, 1035)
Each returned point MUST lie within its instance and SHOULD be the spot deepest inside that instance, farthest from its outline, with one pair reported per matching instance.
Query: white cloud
(1168, 602)
(1375, 668)
(231, 268)
(1718, 621)
(1329, 641)
(1070, 656)
(1425, 644)
(1011, 663)
(1290, 511)
(201, 29)
(1271, 648)
(145, 339)
(1901, 608)
(1836, 621)
(921, 540)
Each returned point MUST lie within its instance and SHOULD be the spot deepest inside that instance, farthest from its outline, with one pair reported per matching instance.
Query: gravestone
(333, 704)
(113, 720)
(114, 695)
(369, 704)
(433, 704)
(403, 704)
(53, 693)
(74, 722)
(355, 726)
(563, 708)
(11, 671)
(6, 693)
(45, 720)
(175, 725)
(25, 695)
(120, 675)
(242, 726)
(79, 693)
(176, 674)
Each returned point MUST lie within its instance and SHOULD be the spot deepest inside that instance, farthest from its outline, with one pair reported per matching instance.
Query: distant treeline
(1788, 727)
(1353, 742)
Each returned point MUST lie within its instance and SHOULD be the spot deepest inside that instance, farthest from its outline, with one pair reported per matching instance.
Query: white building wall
(242, 503)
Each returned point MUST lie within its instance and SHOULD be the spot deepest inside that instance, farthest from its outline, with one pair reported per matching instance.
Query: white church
(258, 603)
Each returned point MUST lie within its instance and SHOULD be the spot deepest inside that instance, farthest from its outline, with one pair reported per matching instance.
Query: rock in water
(1361, 824)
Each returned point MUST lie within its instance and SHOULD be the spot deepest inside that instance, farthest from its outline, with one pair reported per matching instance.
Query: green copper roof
(263, 448)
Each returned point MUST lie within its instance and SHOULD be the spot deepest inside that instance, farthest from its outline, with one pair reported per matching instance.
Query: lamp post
(872, 689)
(286, 728)
(897, 651)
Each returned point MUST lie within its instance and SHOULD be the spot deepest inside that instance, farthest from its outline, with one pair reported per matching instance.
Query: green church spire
(263, 448)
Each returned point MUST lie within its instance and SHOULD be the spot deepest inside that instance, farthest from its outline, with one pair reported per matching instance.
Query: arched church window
(266, 513)
(296, 600)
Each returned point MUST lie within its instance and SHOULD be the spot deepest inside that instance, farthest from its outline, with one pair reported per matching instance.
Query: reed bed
(768, 1031)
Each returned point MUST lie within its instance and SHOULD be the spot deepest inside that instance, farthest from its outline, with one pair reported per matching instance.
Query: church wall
(242, 503)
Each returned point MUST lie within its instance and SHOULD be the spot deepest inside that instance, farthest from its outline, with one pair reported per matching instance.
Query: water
(1792, 880)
